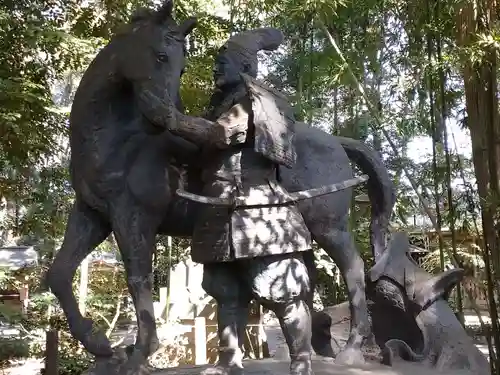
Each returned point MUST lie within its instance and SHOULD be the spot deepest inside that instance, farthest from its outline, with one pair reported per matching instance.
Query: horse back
(321, 160)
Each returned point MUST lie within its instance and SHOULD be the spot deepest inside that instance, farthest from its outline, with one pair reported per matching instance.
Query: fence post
(84, 285)
(164, 302)
(200, 341)
(52, 352)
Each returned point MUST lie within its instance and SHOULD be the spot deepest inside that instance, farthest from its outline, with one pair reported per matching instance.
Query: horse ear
(165, 10)
(269, 38)
(188, 25)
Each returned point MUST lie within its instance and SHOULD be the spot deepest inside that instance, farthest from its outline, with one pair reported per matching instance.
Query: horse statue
(128, 159)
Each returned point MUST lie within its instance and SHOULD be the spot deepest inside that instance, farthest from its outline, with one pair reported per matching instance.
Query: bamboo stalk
(379, 127)
(432, 117)
(451, 204)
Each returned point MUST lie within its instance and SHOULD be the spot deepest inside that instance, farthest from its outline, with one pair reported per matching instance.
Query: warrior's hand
(160, 110)
(223, 136)
(231, 128)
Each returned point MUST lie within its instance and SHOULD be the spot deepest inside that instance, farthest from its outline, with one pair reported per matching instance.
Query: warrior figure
(250, 236)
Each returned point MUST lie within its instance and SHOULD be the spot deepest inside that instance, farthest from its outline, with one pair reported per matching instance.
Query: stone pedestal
(320, 367)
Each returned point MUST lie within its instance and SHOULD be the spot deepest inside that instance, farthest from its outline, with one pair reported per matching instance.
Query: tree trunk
(480, 83)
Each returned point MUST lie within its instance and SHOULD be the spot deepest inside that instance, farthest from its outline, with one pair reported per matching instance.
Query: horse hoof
(154, 345)
(98, 344)
(135, 365)
(350, 357)
(325, 351)
(119, 364)
(222, 370)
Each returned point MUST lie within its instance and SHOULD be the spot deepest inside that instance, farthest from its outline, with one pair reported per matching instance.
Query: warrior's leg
(221, 281)
(281, 283)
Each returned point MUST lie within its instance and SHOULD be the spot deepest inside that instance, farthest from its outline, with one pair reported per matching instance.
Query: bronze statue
(129, 151)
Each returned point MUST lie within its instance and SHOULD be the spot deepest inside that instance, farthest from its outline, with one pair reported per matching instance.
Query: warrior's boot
(295, 321)
(231, 322)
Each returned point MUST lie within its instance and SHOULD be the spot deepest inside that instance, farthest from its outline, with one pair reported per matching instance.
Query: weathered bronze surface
(130, 154)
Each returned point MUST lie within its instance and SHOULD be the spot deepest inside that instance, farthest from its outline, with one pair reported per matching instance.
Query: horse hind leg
(84, 231)
(339, 245)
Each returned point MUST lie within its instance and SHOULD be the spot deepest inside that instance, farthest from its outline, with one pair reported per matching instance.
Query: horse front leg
(84, 231)
(135, 233)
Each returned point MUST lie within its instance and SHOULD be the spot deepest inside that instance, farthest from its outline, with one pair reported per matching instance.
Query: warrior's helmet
(239, 54)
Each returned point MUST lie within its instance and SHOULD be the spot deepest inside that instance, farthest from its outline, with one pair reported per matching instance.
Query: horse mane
(141, 15)
(144, 16)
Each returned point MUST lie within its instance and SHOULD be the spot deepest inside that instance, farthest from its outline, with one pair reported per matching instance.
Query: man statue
(250, 236)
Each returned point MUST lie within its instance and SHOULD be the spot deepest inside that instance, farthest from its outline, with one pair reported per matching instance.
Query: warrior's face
(229, 64)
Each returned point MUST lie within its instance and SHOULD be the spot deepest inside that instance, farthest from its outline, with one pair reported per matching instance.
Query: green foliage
(329, 283)
(469, 260)
(35, 50)
(12, 349)
(74, 359)
(107, 289)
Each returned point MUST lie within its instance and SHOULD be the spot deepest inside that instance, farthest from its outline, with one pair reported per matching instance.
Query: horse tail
(381, 190)
(395, 348)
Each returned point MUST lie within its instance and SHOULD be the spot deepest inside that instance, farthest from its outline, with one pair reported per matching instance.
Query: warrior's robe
(259, 223)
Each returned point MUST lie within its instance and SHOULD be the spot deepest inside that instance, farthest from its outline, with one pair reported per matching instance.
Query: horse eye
(162, 57)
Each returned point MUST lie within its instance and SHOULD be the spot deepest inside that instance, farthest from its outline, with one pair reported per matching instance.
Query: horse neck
(100, 86)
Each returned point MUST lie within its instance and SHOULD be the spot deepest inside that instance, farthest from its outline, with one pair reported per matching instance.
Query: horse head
(150, 50)
(119, 94)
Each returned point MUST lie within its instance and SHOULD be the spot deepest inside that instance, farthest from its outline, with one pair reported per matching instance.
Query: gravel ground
(320, 367)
